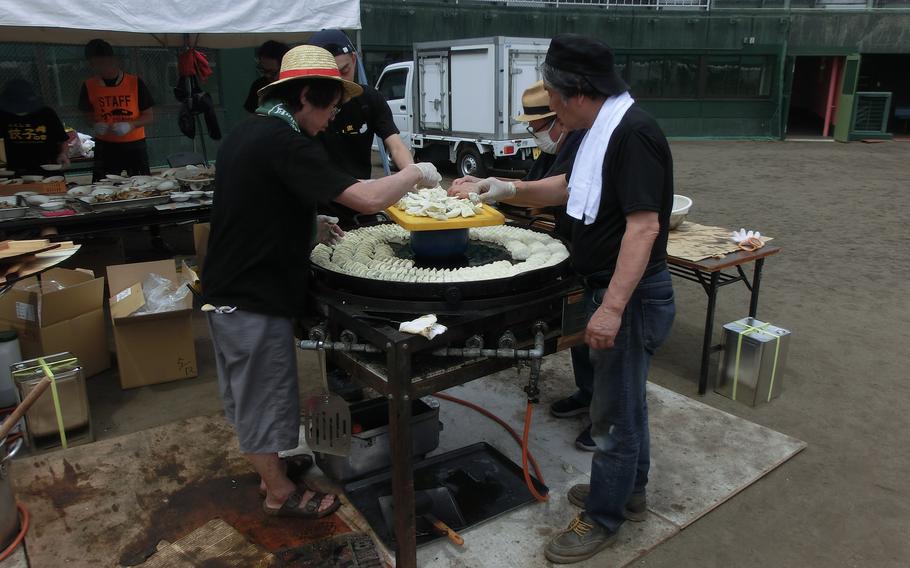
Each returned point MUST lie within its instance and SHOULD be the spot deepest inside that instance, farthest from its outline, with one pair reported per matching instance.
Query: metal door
(434, 91)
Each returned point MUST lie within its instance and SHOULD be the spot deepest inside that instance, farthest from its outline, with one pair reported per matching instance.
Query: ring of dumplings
(367, 253)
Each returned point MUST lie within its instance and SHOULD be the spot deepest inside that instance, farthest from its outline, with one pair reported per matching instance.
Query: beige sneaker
(583, 539)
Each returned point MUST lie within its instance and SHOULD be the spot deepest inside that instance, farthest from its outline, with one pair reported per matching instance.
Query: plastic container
(10, 354)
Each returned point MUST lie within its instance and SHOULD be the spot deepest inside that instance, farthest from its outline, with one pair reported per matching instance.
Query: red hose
(523, 442)
(23, 512)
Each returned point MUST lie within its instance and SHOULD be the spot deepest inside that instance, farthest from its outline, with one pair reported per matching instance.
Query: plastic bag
(45, 286)
(163, 295)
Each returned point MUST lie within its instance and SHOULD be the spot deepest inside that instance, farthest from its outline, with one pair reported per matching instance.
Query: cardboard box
(51, 320)
(201, 240)
(151, 348)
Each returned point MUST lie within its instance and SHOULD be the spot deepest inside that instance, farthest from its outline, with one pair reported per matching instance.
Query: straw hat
(536, 103)
(310, 62)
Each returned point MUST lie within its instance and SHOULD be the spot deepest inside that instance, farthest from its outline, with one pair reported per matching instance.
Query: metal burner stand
(361, 335)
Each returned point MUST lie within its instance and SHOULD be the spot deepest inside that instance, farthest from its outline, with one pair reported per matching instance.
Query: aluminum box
(753, 361)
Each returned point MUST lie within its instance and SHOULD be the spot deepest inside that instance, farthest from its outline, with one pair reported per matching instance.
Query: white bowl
(681, 206)
(104, 190)
(53, 205)
(32, 179)
(53, 179)
(7, 173)
(52, 167)
(11, 181)
(194, 194)
(37, 199)
(79, 191)
(179, 197)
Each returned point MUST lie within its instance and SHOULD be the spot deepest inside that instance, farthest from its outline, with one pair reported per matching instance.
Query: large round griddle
(478, 253)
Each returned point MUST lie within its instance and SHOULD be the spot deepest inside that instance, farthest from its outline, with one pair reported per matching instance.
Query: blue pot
(439, 244)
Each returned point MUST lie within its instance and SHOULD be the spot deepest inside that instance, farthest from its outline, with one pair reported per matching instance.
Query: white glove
(101, 128)
(327, 230)
(429, 177)
(492, 189)
(742, 235)
(121, 128)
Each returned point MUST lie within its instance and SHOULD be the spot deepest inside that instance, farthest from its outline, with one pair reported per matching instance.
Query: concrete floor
(840, 213)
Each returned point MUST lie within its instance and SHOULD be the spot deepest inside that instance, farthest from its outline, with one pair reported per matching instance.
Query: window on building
(663, 76)
(734, 76)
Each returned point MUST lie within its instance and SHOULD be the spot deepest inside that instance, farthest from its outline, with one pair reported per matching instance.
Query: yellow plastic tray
(487, 217)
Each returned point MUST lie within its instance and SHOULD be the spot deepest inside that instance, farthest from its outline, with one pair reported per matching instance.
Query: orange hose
(525, 455)
(24, 529)
(523, 442)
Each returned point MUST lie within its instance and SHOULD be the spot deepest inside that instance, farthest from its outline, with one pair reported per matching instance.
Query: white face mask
(545, 143)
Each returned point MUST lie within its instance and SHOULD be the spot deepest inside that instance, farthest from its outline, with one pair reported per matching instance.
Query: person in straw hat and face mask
(271, 175)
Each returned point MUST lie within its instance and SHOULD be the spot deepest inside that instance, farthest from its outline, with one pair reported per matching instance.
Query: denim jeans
(584, 374)
(619, 407)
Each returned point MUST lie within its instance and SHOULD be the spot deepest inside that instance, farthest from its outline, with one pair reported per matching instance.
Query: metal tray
(125, 203)
(13, 213)
(484, 483)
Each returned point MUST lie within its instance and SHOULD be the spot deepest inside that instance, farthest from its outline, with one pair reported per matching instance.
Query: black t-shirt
(145, 96)
(31, 140)
(637, 176)
(267, 184)
(349, 136)
(252, 97)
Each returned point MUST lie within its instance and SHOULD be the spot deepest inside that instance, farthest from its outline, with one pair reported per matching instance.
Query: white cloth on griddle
(424, 325)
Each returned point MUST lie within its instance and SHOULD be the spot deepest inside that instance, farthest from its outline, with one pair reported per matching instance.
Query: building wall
(389, 29)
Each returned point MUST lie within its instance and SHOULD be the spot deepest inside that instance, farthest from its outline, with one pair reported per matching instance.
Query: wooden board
(14, 250)
(488, 216)
(214, 543)
(51, 188)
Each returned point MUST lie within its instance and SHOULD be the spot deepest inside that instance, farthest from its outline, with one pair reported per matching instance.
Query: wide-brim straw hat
(310, 62)
(536, 104)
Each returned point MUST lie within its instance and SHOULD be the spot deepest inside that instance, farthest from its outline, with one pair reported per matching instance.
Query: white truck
(457, 101)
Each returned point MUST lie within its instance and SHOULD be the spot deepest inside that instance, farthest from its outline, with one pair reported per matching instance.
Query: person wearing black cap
(32, 132)
(119, 105)
(619, 194)
(268, 63)
(349, 138)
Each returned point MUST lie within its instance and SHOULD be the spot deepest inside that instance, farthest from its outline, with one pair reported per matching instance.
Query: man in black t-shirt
(268, 62)
(619, 194)
(257, 264)
(349, 138)
(32, 132)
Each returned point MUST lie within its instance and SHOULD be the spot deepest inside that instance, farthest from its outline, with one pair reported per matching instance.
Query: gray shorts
(257, 375)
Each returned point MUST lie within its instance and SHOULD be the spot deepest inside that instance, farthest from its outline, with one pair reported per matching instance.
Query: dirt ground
(840, 287)
(840, 214)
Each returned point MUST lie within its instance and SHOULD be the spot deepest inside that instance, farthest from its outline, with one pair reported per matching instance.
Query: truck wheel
(470, 163)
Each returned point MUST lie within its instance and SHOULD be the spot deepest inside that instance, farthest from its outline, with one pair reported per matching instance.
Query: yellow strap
(739, 348)
(56, 397)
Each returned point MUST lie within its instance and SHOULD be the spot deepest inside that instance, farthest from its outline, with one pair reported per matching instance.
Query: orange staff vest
(119, 103)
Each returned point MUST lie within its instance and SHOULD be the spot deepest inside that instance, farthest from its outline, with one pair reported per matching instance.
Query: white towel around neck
(587, 171)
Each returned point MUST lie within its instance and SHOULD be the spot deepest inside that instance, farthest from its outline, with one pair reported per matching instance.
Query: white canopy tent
(170, 23)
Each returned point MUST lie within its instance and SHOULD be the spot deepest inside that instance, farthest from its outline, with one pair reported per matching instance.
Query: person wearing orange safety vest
(120, 107)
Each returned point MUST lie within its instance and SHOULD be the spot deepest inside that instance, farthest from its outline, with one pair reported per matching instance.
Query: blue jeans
(619, 407)
(584, 374)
